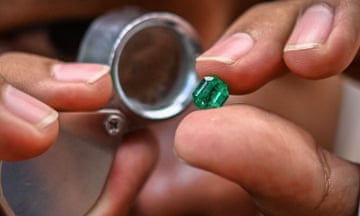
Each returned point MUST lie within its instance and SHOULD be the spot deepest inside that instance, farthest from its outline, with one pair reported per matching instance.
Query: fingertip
(244, 68)
(229, 49)
(45, 137)
(185, 142)
(203, 133)
(223, 60)
(320, 61)
(323, 42)
(79, 86)
(64, 86)
(29, 126)
(79, 72)
(104, 88)
(29, 143)
(83, 96)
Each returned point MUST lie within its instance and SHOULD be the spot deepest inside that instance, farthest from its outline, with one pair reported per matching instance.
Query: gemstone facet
(211, 92)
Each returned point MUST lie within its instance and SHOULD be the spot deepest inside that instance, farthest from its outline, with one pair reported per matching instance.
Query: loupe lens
(152, 57)
(149, 67)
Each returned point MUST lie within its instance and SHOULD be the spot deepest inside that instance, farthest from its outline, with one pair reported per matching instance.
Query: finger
(255, 48)
(250, 53)
(64, 86)
(325, 39)
(28, 126)
(134, 161)
(275, 161)
(31, 88)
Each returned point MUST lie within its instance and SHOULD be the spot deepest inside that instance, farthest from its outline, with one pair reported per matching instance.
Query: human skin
(248, 135)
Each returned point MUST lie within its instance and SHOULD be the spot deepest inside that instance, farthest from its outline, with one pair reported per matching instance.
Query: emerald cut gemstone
(211, 92)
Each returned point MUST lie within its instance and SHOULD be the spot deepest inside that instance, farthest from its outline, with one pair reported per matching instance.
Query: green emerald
(211, 92)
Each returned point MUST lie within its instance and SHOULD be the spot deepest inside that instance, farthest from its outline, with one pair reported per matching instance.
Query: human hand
(251, 53)
(275, 161)
(185, 190)
(279, 164)
(33, 90)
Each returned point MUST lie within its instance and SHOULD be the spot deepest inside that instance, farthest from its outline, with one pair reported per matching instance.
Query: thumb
(278, 163)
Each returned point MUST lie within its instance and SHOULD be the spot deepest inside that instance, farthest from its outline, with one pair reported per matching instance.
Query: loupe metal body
(152, 58)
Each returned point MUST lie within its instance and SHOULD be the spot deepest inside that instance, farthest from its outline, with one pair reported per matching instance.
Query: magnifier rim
(189, 42)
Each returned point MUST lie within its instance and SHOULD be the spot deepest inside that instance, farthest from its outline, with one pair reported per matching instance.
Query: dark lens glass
(149, 65)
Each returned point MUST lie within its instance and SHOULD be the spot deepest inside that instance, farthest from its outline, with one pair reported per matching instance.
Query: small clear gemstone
(211, 92)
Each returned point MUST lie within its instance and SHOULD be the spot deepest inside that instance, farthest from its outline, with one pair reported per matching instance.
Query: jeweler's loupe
(152, 57)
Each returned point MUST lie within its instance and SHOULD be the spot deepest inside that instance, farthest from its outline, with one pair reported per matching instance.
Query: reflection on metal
(152, 57)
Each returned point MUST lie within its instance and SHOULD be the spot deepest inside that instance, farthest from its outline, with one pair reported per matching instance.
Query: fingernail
(229, 50)
(79, 72)
(312, 29)
(28, 108)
